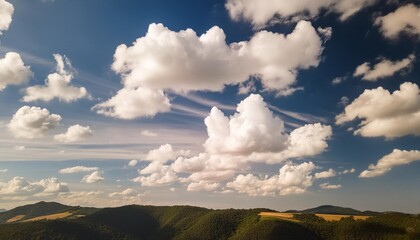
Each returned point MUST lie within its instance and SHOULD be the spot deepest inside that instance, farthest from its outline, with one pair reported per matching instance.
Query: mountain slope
(329, 209)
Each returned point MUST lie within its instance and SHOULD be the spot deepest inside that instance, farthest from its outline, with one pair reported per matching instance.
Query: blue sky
(224, 103)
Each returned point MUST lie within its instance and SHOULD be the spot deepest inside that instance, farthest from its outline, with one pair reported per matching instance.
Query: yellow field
(50, 217)
(327, 217)
(15, 218)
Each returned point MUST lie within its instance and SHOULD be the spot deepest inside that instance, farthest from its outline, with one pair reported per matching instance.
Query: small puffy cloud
(13, 70)
(329, 186)
(344, 101)
(338, 80)
(129, 192)
(325, 174)
(132, 103)
(262, 12)
(148, 133)
(385, 114)
(6, 12)
(94, 177)
(57, 85)
(162, 176)
(20, 148)
(386, 163)
(133, 163)
(347, 171)
(77, 169)
(74, 133)
(165, 153)
(19, 187)
(3, 170)
(405, 19)
(292, 179)
(384, 68)
(202, 186)
(32, 122)
(189, 62)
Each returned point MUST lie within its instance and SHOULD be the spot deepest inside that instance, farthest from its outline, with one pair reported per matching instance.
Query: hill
(40, 209)
(329, 209)
(186, 222)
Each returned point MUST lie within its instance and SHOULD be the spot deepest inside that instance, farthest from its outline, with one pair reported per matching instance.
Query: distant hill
(41, 209)
(329, 209)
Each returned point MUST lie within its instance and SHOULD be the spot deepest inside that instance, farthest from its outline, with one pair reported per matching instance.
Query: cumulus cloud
(132, 103)
(262, 12)
(405, 19)
(385, 68)
(163, 175)
(20, 188)
(325, 174)
(94, 177)
(338, 80)
(164, 153)
(57, 85)
(148, 133)
(292, 179)
(77, 169)
(133, 163)
(329, 186)
(385, 114)
(6, 12)
(386, 163)
(13, 70)
(347, 171)
(3, 170)
(32, 122)
(202, 186)
(74, 133)
(187, 62)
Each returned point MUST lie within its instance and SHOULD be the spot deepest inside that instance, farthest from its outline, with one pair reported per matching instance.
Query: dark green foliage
(329, 209)
(185, 222)
(35, 210)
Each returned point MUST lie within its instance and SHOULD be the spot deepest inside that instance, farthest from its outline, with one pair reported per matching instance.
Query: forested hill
(329, 209)
(186, 222)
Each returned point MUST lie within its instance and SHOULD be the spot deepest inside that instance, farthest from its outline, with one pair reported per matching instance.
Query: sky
(216, 103)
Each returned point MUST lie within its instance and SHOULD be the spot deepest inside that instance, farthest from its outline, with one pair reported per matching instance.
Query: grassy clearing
(15, 218)
(50, 217)
(327, 217)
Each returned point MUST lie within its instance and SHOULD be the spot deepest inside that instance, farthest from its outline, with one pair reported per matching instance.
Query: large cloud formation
(252, 134)
(32, 122)
(405, 19)
(57, 85)
(385, 164)
(164, 60)
(384, 68)
(385, 114)
(6, 12)
(262, 12)
(20, 188)
(13, 70)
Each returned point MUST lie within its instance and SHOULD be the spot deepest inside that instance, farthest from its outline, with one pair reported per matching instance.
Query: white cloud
(338, 80)
(386, 163)
(20, 148)
(262, 12)
(77, 169)
(202, 186)
(6, 12)
(13, 70)
(325, 174)
(329, 186)
(94, 177)
(133, 163)
(292, 179)
(19, 187)
(57, 85)
(344, 101)
(385, 68)
(74, 133)
(165, 153)
(347, 171)
(405, 19)
(188, 62)
(129, 192)
(162, 176)
(32, 122)
(385, 114)
(3, 170)
(132, 103)
(148, 133)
